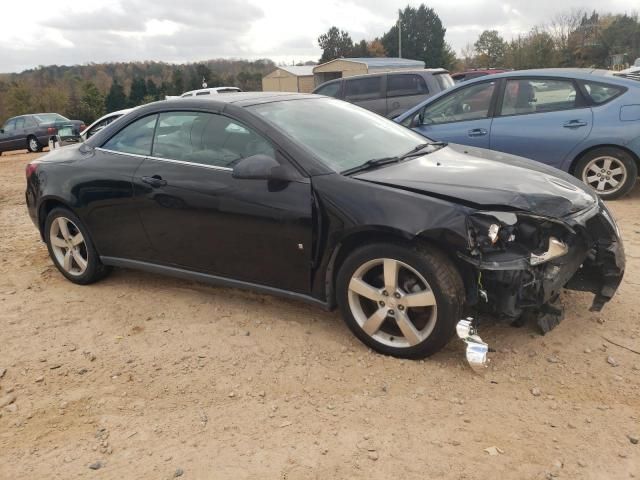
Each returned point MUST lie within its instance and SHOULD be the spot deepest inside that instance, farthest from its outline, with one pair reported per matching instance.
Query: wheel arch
(368, 236)
(46, 206)
(578, 157)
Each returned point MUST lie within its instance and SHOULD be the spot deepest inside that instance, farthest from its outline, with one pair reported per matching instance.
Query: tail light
(31, 169)
(52, 131)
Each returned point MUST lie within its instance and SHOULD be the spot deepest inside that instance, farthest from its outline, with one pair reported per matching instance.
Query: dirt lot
(154, 377)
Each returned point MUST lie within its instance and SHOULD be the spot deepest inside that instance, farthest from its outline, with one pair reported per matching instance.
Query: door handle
(477, 132)
(575, 124)
(155, 181)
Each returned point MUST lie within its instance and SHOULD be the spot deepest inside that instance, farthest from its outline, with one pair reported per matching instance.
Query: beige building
(347, 67)
(289, 79)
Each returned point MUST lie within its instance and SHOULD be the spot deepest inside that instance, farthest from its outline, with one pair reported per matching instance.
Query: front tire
(611, 172)
(71, 249)
(399, 300)
(33, 145)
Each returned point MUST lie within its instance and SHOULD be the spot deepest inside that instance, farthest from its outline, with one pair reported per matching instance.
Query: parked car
(102, 122)
(585, 122)
(389, 93)
(34, 131)
(316, 199)
(475, 73)
(210, 91)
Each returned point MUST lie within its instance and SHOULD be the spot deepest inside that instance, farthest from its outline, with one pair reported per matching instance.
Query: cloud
(284, 30)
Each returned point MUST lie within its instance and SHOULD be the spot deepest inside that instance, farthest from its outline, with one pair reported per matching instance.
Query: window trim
(581, 101)
(169, 160)
(424, 82)
(492, 102)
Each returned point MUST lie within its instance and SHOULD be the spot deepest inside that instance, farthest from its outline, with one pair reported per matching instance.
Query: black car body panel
(484, 179)
(289, 237)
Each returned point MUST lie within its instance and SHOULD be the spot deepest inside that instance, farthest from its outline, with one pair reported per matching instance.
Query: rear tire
(71, 249)
(428, 292)
(33, 145)
(609, 171)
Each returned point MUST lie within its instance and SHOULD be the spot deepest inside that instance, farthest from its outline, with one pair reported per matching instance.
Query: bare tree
(563, 24)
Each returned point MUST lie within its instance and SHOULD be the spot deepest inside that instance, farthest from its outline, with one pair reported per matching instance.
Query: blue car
(583, 121)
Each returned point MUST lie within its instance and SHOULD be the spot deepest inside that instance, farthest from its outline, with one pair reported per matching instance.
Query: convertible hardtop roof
(242, 99)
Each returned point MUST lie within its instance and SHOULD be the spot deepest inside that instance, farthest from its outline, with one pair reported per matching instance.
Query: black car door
(106, 196)
(200, 218)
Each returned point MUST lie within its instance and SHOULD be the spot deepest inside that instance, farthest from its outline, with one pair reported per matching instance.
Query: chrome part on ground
(556, 249)
(399, 309)
(476, 349)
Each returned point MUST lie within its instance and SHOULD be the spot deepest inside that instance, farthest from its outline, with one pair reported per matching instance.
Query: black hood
(485, 178)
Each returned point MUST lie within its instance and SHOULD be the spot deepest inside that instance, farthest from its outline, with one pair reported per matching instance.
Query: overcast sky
(67, 32)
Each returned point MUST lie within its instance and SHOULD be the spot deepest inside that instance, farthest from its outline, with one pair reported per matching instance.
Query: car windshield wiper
(376, 162)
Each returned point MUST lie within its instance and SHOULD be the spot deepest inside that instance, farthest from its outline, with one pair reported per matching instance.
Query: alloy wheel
(33, 144)
(392, 303)
(68, 246)
(605, 174)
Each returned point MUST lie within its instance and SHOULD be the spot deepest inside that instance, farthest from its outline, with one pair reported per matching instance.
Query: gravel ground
(142, 376)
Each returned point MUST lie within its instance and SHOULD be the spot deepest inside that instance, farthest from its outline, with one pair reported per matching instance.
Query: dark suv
(34, 131)
(388, 93)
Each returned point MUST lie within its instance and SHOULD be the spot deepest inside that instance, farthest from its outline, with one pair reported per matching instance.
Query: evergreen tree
(335, 44)
(152, 90)
(116, 99)
(137, 92)
(92, 103)
(422, 37)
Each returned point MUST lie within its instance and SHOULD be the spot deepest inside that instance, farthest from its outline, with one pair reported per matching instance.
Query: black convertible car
(317, 199)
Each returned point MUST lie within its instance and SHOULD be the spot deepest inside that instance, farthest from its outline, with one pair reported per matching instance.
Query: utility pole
(399, 34)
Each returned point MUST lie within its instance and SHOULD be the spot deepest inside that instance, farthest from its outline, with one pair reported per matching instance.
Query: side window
(29, 122)
(529, 95)
(135, 138)
(20, 123)
(470, 103)
(10, 126)
(407, 84)
(207, 139)
(601, 93)
(331, 90)
(202, 93)
(362, 89)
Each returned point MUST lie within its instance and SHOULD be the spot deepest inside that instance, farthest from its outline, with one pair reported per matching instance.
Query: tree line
(87, 92)
(570, 39)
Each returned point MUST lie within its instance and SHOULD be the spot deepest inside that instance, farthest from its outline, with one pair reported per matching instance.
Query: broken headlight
(538, 239)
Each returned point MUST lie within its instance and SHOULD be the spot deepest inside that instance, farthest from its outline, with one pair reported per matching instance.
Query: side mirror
(262, 167)
(1, 130)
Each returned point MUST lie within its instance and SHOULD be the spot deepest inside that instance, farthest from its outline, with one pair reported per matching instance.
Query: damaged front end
(523, 260)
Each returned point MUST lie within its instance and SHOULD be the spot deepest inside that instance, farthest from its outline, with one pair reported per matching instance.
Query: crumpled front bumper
(602, 270)
(595, 263)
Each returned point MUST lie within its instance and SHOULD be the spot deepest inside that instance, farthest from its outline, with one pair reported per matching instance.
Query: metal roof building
(289, 79)
(347, 67)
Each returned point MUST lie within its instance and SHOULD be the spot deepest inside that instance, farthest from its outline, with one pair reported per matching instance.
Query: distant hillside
(88, 91)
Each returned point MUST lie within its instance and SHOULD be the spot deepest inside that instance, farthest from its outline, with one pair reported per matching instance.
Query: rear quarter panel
(609, 129)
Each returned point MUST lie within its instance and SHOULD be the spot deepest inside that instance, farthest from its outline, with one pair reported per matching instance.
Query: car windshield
(50, 117)
(342, 135)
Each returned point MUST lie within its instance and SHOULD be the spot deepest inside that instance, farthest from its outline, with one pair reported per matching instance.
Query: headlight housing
(534, 238)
